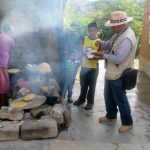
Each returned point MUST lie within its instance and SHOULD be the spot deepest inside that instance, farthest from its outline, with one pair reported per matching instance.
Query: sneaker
(125, 128)
(105, 120)
(88, 106)
(78, 103)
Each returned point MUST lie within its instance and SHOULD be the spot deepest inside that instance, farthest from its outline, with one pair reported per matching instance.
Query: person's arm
(103, 45)
(121, 54)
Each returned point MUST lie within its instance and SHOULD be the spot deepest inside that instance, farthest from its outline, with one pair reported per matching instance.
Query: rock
(9, 130)
(59, 120)
(57, 112)
(27, 116)
(47, 117)
(39, 129)
(11, 114)
(4, 108)
(53, 88)
(67, 118)
(40, 111)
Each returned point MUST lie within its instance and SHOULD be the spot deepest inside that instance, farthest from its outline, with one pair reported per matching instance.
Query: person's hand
(98, 43)
(100, 53)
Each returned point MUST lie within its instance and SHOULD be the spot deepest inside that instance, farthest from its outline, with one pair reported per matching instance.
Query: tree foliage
(80, 12)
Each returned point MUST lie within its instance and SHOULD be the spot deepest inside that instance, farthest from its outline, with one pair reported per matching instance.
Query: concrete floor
(85, 133)
(85, 124)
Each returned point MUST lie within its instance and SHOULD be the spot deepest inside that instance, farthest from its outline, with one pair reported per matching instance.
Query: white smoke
(27, 15)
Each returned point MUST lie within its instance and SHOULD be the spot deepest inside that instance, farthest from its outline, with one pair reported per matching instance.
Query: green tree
(79, 14)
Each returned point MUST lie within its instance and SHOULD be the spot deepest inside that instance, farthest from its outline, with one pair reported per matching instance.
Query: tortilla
(29, 97)
(34, 80)
(13, 70)
(17, 105)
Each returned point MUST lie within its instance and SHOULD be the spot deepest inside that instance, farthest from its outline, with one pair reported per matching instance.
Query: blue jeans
(70, 74)
(69, 85)
(115, 97)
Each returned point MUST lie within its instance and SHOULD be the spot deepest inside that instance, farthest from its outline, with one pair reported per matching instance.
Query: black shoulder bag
(129, 78)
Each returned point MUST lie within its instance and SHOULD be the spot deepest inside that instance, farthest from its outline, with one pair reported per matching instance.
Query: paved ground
(85, 124)
(86, 133)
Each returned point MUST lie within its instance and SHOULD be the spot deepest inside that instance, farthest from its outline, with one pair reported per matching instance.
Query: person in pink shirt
(6, 44)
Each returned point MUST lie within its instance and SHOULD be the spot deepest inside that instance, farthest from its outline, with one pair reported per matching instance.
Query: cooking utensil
(38, 100)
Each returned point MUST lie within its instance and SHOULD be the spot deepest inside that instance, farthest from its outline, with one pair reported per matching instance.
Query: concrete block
(11, 114)
(39, 129)
(9, 130)
(57, 112)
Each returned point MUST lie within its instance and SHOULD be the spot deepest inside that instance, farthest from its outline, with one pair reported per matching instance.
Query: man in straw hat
(119, 54)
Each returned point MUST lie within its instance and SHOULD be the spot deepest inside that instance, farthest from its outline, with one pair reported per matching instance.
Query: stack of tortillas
(18, 105)
(29, 97)
(13, 70)
(24, 102)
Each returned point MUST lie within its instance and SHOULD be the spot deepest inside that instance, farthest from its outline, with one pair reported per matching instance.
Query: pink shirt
(6, 44)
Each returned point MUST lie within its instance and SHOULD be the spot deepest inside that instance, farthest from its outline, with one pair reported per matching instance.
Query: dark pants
(88, 78)
(115, 96)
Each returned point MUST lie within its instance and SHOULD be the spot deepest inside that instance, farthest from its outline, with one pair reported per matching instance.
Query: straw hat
(118, 18)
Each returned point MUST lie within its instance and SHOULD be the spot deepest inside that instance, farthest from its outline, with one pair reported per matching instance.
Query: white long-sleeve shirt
(121, 53)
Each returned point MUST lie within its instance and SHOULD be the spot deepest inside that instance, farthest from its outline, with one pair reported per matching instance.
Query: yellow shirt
(89, 63)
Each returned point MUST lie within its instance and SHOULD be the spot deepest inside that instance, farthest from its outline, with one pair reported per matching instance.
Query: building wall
(145, 47)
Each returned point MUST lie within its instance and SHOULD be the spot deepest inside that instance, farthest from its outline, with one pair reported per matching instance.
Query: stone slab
(39, 129)
(134, 147)
(57, 112)
(9, 130)
(80, 145)
(24, 145)
(14, 116)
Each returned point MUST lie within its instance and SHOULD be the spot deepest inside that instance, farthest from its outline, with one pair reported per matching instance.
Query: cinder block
(9, 130)
(39, 129)
(14, 115)
(57, 112)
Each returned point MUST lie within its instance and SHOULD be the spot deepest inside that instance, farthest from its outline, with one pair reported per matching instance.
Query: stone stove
(37, 122)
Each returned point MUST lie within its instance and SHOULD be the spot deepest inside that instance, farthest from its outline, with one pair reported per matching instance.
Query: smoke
(36, 24)
(30, 15)
(35, 35)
